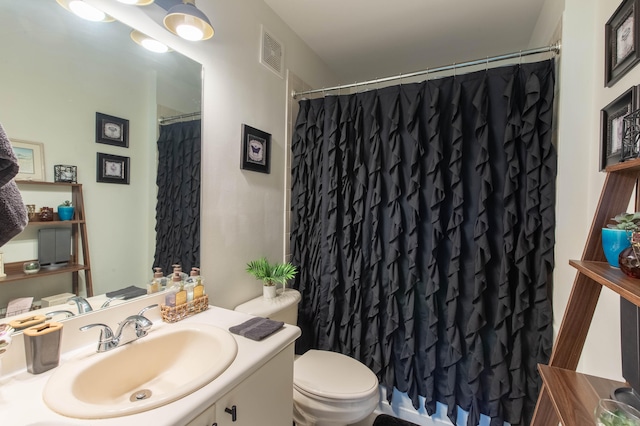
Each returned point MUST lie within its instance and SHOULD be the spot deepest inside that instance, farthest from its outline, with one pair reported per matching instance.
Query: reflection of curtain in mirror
(178, 207)
(422, 221)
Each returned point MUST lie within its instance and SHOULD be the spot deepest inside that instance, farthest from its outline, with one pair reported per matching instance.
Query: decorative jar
(31, 267)
(46, 214)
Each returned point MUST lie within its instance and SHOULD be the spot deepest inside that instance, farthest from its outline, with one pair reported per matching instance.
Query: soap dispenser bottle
(190, 283)
(198, 290)
(156, 283)
(181, 294)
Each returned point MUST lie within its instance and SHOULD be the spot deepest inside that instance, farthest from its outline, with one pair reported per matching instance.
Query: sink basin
(168, 364)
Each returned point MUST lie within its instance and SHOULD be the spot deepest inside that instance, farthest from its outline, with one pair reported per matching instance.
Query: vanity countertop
(21, 402)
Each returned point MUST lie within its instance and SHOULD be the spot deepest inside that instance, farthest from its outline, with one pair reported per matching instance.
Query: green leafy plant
(271, 274)
(67, 203)
(626, 221)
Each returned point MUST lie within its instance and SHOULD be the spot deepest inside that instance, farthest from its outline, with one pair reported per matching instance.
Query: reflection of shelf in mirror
(53, 222)
(575, 395)
(15, 273)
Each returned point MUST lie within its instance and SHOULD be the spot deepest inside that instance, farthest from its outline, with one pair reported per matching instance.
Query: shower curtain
(422, 222)
(178, 201)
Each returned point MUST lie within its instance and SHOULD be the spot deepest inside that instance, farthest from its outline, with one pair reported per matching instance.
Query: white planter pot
(269, 291)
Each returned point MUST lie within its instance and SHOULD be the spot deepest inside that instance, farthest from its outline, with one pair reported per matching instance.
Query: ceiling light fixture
(137, 2)
(188, 22)
(85, 10)
(148, 42)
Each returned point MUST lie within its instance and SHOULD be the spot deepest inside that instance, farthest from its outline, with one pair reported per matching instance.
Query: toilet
(329, 389)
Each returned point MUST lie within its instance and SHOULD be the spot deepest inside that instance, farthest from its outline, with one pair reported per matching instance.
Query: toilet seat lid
(333, 375)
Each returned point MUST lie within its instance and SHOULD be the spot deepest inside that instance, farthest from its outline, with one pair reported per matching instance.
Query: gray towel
(13, 213)
(128, 292)
(257, 328)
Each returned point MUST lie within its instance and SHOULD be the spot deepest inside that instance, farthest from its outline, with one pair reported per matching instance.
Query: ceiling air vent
(271, 53)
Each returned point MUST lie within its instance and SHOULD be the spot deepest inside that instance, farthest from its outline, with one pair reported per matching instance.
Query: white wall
(582, 97)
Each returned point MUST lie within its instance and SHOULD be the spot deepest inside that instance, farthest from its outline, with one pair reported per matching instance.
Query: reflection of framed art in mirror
(112, 169)
(64, 173)
(30, 157)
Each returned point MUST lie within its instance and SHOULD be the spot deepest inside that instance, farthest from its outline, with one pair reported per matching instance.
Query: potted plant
(271, 274)
(616, 236)
(65, 211)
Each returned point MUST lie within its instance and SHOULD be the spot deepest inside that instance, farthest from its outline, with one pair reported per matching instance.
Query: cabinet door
(206, 418)
(265, 398)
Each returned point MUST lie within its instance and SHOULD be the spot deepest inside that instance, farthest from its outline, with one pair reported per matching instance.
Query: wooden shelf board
(33, 182)
(14, 271)
(610, 277)
(575, 395)
(632, 166)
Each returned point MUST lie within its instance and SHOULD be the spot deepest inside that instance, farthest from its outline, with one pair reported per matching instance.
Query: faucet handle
(106, 336)
(50, 315)
(141, 313)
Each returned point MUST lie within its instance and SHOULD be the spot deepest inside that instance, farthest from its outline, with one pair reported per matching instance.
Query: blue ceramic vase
(65, 212)
(613, 242)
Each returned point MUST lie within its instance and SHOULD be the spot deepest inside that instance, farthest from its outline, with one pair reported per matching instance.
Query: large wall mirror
(57, 72)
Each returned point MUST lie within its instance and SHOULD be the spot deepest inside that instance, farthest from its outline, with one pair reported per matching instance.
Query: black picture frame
(112, 130)
(621, 41)
(65, 173)
(256, 150)
(112, 168)
(612, 126)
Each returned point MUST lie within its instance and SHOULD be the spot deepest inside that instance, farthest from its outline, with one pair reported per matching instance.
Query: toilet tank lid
(267, 307)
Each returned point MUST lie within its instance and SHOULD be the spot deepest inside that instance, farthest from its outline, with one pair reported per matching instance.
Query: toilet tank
(284, 307)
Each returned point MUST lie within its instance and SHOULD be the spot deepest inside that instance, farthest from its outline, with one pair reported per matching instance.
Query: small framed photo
(30, 157)
(112, 169)
(112, 130)
(612, 127)
(63, 173)
(256, 150)
(621, 41)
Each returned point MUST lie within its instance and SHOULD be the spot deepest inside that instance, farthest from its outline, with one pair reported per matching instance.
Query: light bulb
(86, 11)
(189, 32)
(154, 45)
(128, 1)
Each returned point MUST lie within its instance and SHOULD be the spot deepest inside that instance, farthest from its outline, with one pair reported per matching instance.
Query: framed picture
(62, 173)
(621, 41)
(30, 157)
(612, 127)
(112, 130)
(256, 150)
(112, 169)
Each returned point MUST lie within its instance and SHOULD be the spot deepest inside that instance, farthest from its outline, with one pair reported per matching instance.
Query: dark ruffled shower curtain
(422, 221)
(178, 207)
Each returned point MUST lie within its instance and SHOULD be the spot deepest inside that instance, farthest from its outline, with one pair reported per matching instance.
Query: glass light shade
(188, 22)
(148, 42)
(85, 10)
(137, 2)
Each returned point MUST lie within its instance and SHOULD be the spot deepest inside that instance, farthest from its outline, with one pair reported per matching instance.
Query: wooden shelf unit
(566, 396)
(79, 261)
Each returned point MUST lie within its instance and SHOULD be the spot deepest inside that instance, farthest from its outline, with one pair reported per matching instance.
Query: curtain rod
(555, 48)
(163, 120)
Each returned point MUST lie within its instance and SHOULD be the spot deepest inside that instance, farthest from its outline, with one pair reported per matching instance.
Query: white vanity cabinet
(263, 398)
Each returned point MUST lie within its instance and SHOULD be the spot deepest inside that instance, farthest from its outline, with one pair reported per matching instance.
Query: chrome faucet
(108, 301)
(82, 304)
(132, 328)
(67, 314)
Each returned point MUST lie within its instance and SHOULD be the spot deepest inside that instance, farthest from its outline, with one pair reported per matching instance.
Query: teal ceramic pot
(613, 242)
(65, 212)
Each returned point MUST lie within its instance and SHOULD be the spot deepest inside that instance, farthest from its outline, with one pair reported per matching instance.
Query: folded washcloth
(13, 213)
(257, 328)
(128, 292)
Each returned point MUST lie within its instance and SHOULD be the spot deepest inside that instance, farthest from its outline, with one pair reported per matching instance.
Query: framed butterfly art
(256, 150)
